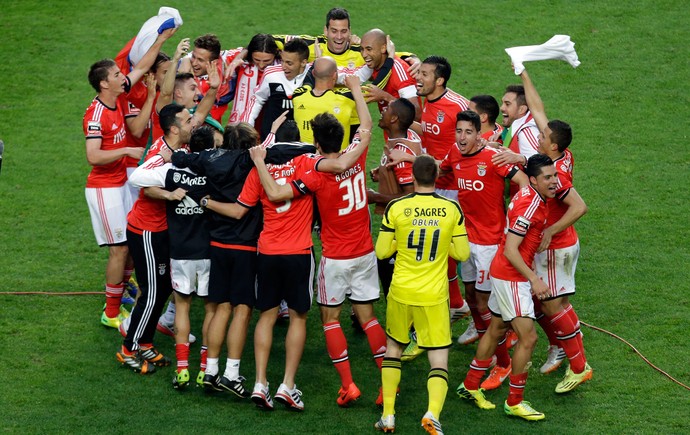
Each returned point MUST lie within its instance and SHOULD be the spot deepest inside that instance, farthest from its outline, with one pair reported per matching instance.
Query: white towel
(560, 47)
(167, 18)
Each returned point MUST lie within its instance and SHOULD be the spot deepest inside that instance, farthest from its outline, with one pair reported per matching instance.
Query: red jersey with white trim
(525, 136)
(342, 201)
(249, 78)
(480, 186)
(498, 129)
(557, 208)
(399, 83)
(108, 124)
(132, 112)
(438, 124)
(148, 214)
(223, 93)
(403, 170)
(526, 218)
(287, 225)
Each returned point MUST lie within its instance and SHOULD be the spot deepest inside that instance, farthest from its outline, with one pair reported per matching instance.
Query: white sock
(232, 369)
(212, 366)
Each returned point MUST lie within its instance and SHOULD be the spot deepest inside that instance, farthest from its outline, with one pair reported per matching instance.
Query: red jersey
(439, 118)
(480, 186)
(399, 83)
(498, 128)
(133, 111)
(403, 170)
(223, 93)
(557, 208)
(148, 214)
(526, 218)
(108, 124)
(287, 225)
(342, 201)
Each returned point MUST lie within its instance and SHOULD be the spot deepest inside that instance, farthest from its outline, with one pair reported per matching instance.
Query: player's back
(306, 105)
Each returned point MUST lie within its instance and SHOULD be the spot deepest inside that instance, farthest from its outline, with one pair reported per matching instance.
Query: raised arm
(534, 102)
(137, 124)
(168, 85)
(206, 104)
(149, 58)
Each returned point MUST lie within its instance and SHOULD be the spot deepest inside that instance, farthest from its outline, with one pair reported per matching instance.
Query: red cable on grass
(596, 328)
(52, 293)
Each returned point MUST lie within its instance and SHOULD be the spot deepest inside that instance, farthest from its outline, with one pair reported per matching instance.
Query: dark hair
(486, 104)
(99, 72)
(443, 68)
(209, 42)
(425, 170)
(519, 90)
(405, 111)
(168, 116)
(240, 136)
(288, 132)
(298, 46)
(535, 163)
(161, 58)
(181, 78)
(561, 133)
(471, 117)
(328, 132)
(262, 43)
(202, 138)
(338, 14)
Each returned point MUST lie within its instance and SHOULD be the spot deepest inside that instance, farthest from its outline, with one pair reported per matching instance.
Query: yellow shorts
(432, 324)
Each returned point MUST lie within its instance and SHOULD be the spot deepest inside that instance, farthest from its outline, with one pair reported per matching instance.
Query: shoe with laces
(348, 395)
(511, 339)
(470, 335)
(291, 398)
(181, 379)
(111, 322)
(283, 312)
(169, 330)
(235, 386)
(572, 379)
(261, 397)
(210, 382)
(385, 424)
(135, 362)
(554, 359)
(154, 357)
(476, 396)
(523, 410)
(496, 377)
(459, 313)
(431, 424)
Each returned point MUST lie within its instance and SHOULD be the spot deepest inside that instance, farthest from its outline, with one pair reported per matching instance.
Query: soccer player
(556, 259)
(513, 283)
(274, 95)
(107, 196)
(520, 134)
(487, 108)
(480, 194)
(323, 96)
(424, 228)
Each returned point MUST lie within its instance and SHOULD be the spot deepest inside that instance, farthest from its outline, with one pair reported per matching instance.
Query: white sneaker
(470, 335)
(169, 330)
(459, 313)
(283, 312)
(431, 424)
(261, 397)
(385, 424)
(291, 398)
(554, 359)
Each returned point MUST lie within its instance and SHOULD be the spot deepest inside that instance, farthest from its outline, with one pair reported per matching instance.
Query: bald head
(375, 37)
(373, 48)
(325, 67)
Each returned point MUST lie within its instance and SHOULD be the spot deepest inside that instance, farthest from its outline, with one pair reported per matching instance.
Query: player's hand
(317, 50)
(507, 157)
(374, 174)
(166, 34)
(355, 40)
(236, 62)
(166, 154)
(396, 156)
(134, 152)
(279, 121)
(390, 47)
(352, 82)
(177, 194)
(495, 137)
(374, 93)
(151, 83)
(182, 48)
(415, 64)
(539, 289)
(546, 237)
(258, 154)
(213, 76)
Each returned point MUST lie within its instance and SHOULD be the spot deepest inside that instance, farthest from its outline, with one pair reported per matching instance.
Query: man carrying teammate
(424, 228)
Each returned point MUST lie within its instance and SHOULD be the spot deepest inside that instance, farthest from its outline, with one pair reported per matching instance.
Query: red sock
(483, 325)
(517, 388)
(502, 355)
(456, 300)
(337, 350)
(204, 355)
(477, 370)
(565, 331)
(126, 351)
(127, 275)
(545, 324)
(182, 355)
(576, 321)
(377, 340)
(113, 296)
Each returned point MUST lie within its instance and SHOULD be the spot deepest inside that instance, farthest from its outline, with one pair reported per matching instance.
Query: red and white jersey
(287, 225)
(439, 118)
(557, 208)
(222, 95)
(498, 129)
(148, 214)
(399, 83)
(108, 125)
(403, 170)
(480, 186)
(526, 218)
(342, 201)
(132, 112)
(525, 136)
(249, 78)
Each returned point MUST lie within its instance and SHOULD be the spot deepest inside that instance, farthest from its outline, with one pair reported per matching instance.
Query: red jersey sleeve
(251, 191)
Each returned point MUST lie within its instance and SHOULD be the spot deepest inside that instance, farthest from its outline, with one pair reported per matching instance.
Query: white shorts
(511, 299)
(557, 268)
(133, 191)
(476, 268)
(108, 207)
(447, 193)
(356, 278)
(190, 276)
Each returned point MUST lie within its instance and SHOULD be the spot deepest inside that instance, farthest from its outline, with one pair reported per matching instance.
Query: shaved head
(325, 67)
(378, 37)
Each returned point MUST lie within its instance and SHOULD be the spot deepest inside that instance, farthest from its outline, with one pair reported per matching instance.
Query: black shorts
(233, 276)
(288, 277)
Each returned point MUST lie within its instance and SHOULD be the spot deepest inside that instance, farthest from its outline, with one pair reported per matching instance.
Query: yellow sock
(437, 385)
(390, 379)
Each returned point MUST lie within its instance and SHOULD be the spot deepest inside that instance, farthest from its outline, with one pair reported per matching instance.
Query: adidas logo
(280, 88)
(301, 106)
(114, 127)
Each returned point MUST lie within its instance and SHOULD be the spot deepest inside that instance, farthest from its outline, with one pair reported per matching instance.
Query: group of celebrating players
(227, 212)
